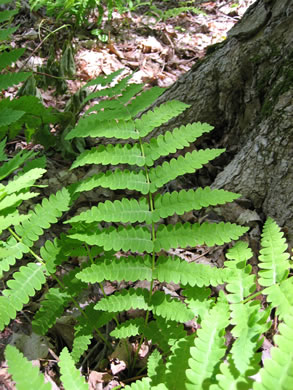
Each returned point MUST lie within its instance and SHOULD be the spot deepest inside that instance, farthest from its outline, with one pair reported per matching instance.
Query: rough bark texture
(244, 87)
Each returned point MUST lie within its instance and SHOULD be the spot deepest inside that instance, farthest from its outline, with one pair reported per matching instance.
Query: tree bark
(244, 87)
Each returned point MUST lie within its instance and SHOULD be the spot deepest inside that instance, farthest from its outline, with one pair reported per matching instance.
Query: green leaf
(10, 79)
(183, 235)
(273, 258)
(126, 268)
(170, 309)
(25, 375)
(181, 202)
(9, 57)
(135, 239)
(125, 300)
(124, 210)
(70, 376)
(168, 171)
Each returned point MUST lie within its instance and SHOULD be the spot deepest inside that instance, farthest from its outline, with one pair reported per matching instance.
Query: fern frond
(125, 300)
(91, 126)
(183, 201)
(127, 269)
(178, 362)
(156, 368)
(277, 372)
(280, 296)
(10, 79)
(24, 181)
(11, 219)
(144, 384)
(209, 348)
(170, 308)
(135, 239)
(128, 328)
(115, 180)
(273, 258)
(183, 235)
(240, 282)
(43, 216)
(170, 142)
(8, 167)
(9, 57)
(70, 376)
(250, 323)
(197, 299)
(162, 174)
(124, 210)
(179, 271)
(111, 154)
(24, 374)
(159, 116)
(144, 100)
(10, 252)
(104, 80)
(26, 281)
(15, 199)
(86, 324)
(52, 308)
(164, 333)
(230, 378)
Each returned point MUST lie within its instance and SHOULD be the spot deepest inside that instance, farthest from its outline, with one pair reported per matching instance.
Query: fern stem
(252, 297)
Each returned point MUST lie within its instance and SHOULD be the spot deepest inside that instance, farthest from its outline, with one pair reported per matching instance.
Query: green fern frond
(15, 200)
(156, 368)
(178, 363)
(10, 166)
(127, 269)
(170, 308)
(250, 323)
(159, 116)
(209, 348)
(91, 126)
(128, 328)
(144, 100)
(135, 239)
(179, 271)
(24, 181)
(124, 210)
(24, 374)
(9, 79)
(43, 216)
(230, 378)
(115, 180)
(183, 201)
(9, 57)
(26, 281)
(240, 283)
(197, 299)
(111, 154)
(104, 80)
(70, 376)
(125, 300)
(280, 296)
(10, 251)
(170, 142)
(90, 320)
(273, 258)
(164, 333)
(277, 372)
(52, 308)
(162, 174)
(183, 235)
(144, 384)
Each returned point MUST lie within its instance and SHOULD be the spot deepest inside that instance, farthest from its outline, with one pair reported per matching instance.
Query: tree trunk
(244, 88)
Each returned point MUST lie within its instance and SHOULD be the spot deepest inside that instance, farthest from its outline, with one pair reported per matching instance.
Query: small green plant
(134, 226)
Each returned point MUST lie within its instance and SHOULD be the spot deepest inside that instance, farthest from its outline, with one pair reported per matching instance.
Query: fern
(228, 325)
(18, 365)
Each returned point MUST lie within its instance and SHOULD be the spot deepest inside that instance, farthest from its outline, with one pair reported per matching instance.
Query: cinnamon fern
(130, 239)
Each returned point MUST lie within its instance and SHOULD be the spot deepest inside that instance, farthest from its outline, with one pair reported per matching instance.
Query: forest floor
(158, 50)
